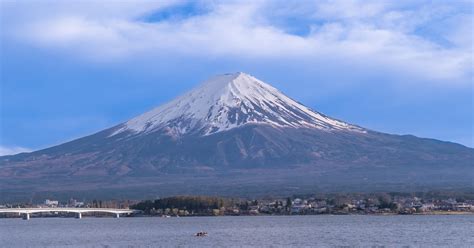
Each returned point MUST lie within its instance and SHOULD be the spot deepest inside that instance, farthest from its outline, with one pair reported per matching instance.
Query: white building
(51, 203)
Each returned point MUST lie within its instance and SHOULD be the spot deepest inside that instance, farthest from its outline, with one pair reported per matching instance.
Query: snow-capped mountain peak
(228, 101)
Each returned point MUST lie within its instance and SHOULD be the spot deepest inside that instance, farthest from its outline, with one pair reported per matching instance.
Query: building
(51, 203)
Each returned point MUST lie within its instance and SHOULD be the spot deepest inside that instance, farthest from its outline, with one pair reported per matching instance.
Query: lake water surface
(244, 231)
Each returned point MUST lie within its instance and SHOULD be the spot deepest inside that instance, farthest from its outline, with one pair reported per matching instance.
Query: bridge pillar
(117, 215)
(78, 215)
(26, 216)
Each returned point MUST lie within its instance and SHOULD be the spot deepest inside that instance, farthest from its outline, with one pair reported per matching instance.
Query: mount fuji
(235, 135)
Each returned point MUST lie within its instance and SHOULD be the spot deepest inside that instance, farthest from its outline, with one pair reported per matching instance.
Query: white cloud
(11, 150)
(378, 34)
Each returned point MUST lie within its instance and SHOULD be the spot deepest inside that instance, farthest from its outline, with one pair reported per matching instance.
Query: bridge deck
(67, 210)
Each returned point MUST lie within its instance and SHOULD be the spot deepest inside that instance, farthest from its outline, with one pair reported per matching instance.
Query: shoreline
(439, 213)
(333, 214)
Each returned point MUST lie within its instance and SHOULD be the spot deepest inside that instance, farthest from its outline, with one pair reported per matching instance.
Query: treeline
(302, 204)
(189, 203)
(385, 197)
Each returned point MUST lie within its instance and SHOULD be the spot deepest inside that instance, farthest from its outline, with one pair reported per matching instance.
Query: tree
(288, 204)
(385, 200)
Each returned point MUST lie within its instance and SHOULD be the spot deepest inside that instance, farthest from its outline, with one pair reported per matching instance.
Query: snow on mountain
(228, 101)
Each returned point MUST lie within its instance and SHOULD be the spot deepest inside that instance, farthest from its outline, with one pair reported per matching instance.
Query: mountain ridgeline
(235, 135)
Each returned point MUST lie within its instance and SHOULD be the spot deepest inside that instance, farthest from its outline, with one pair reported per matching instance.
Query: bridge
(26, 212)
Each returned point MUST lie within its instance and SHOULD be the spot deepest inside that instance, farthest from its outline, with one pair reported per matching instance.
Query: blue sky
(69, 69)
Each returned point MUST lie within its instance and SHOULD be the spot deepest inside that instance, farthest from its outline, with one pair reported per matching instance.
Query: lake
(242, 231)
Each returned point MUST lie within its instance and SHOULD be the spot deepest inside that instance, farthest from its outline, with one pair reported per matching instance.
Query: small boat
(200, 234)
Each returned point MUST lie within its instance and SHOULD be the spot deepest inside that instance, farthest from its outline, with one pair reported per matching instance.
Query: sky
(72, 68)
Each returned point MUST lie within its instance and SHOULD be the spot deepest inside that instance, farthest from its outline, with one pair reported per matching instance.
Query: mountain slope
(235, 135)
